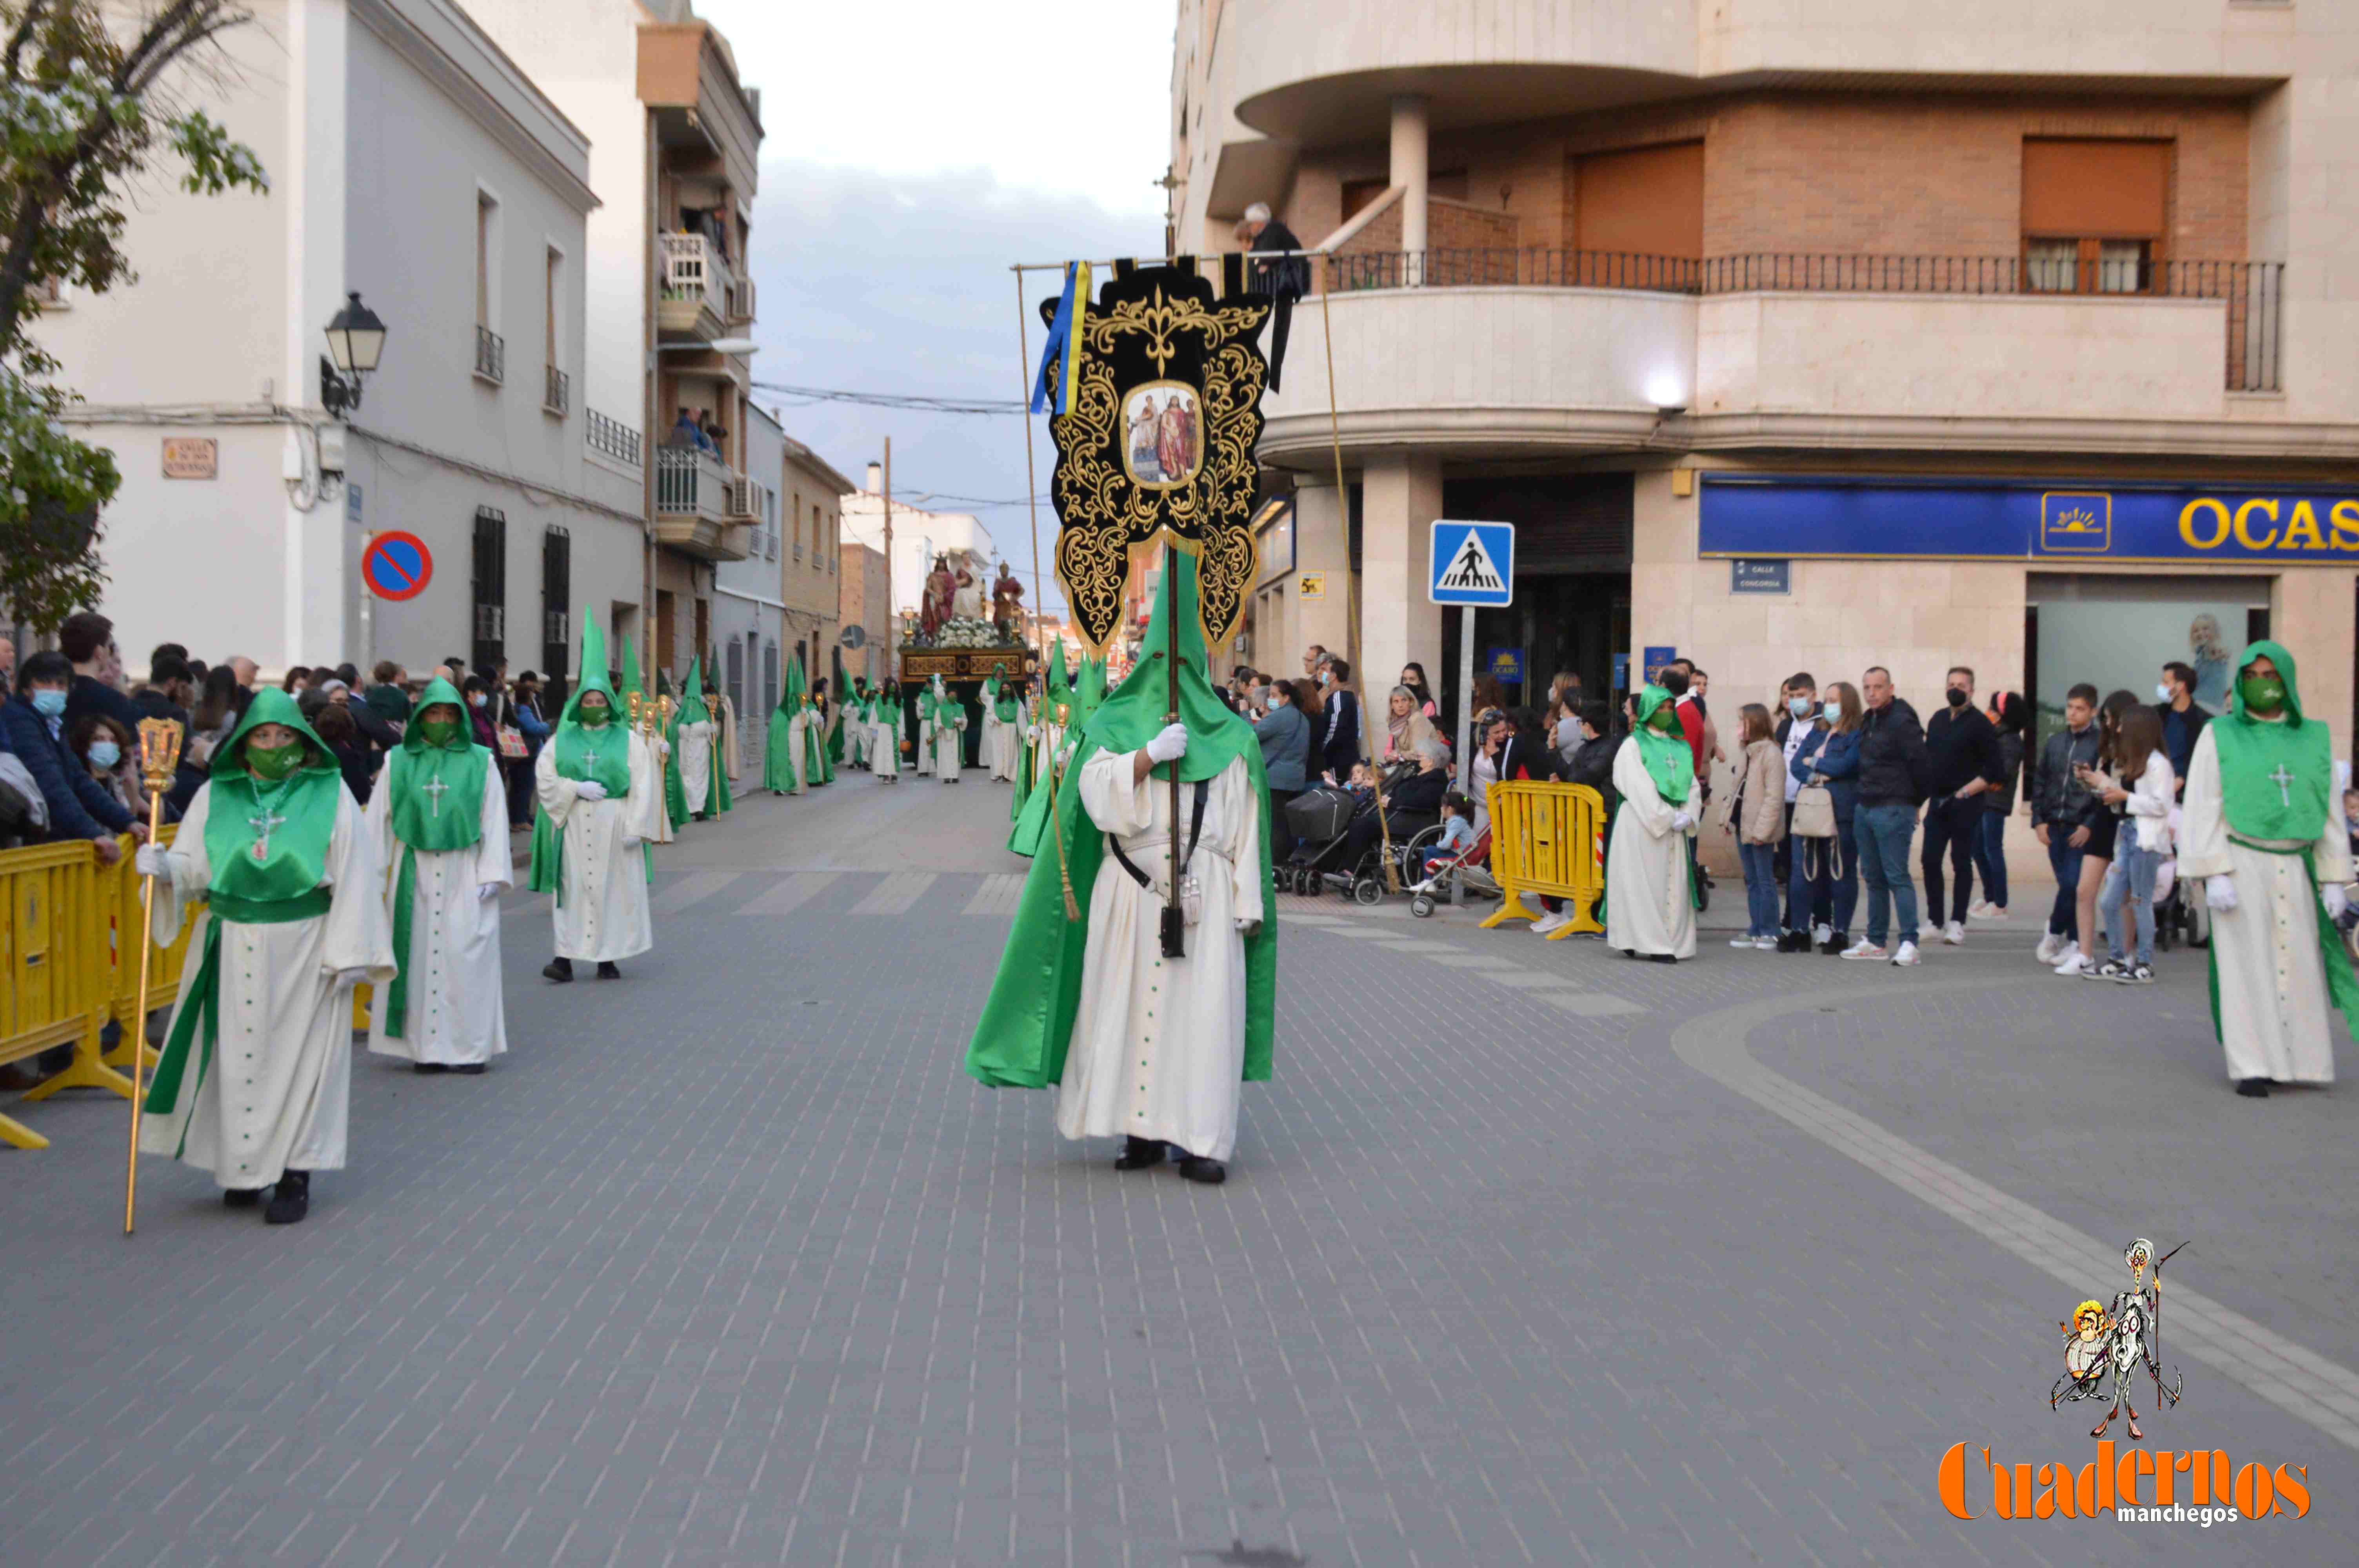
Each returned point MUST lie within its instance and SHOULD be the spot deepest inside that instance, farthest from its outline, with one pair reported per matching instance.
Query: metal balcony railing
(556, 391)
(693, 269)
(693, 482)
(612, 437)
(491, 355)
(2253, 291)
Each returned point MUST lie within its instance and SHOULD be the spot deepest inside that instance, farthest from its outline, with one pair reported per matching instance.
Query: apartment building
(412, 164)
(675, 141)
(1807, 333)
(865, 602)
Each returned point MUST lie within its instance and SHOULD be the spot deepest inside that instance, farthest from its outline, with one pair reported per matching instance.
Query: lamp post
(355, 343)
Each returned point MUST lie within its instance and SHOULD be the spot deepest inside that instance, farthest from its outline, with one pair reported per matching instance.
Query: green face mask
(272, 766)
(439, 731)
(594, 716)
(2262, 693)
(1665, 720)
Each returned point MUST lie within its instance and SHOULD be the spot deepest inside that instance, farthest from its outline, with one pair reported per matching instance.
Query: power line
(915, 403)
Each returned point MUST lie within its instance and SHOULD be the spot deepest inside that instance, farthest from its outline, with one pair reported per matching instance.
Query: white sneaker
(1548, 923)
(2050, 949)
(1745, 941)
(1764, 944)
(1822, 933)
(1864, 950)
(2074, 965)
(1907, 957)
(1954, 933)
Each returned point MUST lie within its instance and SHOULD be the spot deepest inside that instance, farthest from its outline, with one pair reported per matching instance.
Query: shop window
(2094, 214)
(2117, 631)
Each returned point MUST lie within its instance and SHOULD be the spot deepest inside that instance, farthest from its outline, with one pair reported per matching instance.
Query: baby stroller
(1321, 820)
(1469, 871)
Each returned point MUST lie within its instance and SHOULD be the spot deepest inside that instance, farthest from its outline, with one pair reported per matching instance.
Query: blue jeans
(1990, 856)
(1825, 875)
(1885, 833)
(2130, 883)
(2064, 917)
(1760, 888)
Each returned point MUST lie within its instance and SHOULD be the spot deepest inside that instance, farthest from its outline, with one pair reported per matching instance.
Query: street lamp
(355, 343)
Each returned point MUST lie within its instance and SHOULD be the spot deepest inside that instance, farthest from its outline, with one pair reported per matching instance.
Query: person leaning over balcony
(683, 432)
(32, 723)
(1891, 758)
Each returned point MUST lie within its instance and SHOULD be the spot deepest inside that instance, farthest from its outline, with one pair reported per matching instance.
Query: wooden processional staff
(159, 757)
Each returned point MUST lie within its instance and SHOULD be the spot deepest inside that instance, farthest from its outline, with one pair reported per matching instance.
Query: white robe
(455, 1015)
(696, 763)
(1159, 1043)
(925, 743)
(2277, 1018)
(856, 740)
(603, 913)
(885, 742)
(986, 753)
(949, 741)
(1648, 908)
(797, 737)
(278, 1094)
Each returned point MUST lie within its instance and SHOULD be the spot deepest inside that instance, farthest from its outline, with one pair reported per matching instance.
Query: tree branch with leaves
(85, 109)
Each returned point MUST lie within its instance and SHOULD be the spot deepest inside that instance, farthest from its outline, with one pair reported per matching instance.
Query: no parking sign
(397, 565)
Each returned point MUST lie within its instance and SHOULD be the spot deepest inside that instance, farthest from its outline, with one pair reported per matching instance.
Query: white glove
(1681, 822)
(1246, 927)
(486, 891)
(347, 978)
(150, 861)
(2335, 899)
(630, 844)
(1170, 746)
(590, 789)
(2220, 893)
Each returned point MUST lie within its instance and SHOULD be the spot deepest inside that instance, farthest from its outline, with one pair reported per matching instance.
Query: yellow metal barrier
(70, 966)
(1547, 838)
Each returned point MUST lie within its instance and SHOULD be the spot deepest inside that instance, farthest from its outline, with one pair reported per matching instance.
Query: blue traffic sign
(1473, 563)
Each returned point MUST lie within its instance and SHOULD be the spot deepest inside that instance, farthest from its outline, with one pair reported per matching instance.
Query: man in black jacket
(1962, 762)
(2063, 815)
(2182, 721)
(1891, 762)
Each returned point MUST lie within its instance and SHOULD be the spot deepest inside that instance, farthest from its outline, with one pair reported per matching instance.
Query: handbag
(511, 742)
(1814, 812)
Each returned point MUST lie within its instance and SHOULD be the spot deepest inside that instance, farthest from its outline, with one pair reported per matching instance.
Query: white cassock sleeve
(645, 817)
(494, 859)
(1245, 857)
(555, 794)
(192, 871)
(2202, 825)
(1653, 813)
(359, 934)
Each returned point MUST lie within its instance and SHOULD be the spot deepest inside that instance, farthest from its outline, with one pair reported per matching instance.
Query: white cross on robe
(438, 789)
(262, 823)
(2284, 781)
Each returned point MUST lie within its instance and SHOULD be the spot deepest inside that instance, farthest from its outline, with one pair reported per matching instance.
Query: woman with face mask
(112, 757)
(1825, 871)
(439, 820)
(254, 1082)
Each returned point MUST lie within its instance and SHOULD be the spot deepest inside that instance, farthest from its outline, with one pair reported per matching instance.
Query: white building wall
(746, 609)
(917, 537)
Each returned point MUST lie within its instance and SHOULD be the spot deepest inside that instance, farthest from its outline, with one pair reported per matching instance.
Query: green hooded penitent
(267, 844)
(1028, 1023)
(778, 760)
(1670, 762)
(1090, 692)
(817, 768)
(437, 799)
(693, 709)
(584, 751)
(2275, 780)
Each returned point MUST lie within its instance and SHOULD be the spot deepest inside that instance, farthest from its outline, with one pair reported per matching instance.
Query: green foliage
(80, 117)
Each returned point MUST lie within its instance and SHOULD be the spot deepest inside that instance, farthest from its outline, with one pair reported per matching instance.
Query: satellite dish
(855, 635)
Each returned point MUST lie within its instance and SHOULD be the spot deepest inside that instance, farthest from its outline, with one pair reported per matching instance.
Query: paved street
(1529, 1254)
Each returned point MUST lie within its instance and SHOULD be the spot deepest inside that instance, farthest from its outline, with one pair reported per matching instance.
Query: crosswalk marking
(997, 895)
(693, 889)
(897, 895)
(791, 894)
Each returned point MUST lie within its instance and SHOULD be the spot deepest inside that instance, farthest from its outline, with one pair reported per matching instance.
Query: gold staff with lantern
(159, 755)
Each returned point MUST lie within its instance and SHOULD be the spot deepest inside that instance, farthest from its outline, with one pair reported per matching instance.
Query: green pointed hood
(1091, 692)
(790, 700)
(691, 708)
(438, 691)
(591, 677)
(271, 706)
(1057, 684)
(2277, 654)
(631, 681)
(1670, 762)
(1134, 714)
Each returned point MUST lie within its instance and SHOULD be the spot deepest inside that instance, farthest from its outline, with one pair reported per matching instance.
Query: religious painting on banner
(1158, 443)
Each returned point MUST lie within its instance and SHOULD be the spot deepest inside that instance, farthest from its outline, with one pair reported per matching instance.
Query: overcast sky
(915, 148)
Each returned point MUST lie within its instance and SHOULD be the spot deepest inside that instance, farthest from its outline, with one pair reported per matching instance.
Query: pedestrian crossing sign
(1473, 563)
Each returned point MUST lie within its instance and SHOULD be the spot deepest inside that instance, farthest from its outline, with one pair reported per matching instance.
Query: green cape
(305, 804)
(1670, 762)
(2254, 754)
(777, 771)
(1028, 1023)
(572, 743)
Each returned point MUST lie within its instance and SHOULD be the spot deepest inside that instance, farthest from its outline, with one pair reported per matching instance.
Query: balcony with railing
(701, 295)
(1509, 348)
(556, 391)
(491, 355)
(609, 436)
(695, 496)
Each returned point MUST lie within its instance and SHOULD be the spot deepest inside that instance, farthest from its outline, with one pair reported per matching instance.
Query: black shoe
(242, 1198)
(606, 971)
(2253, 1088)
(1793, 941)
(1196, 1168)
(1663, 958)
(437, 1067)
(292, 1200)
(1833, 946)
(472, 1069)
(1138, 1154)
(558, 970)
